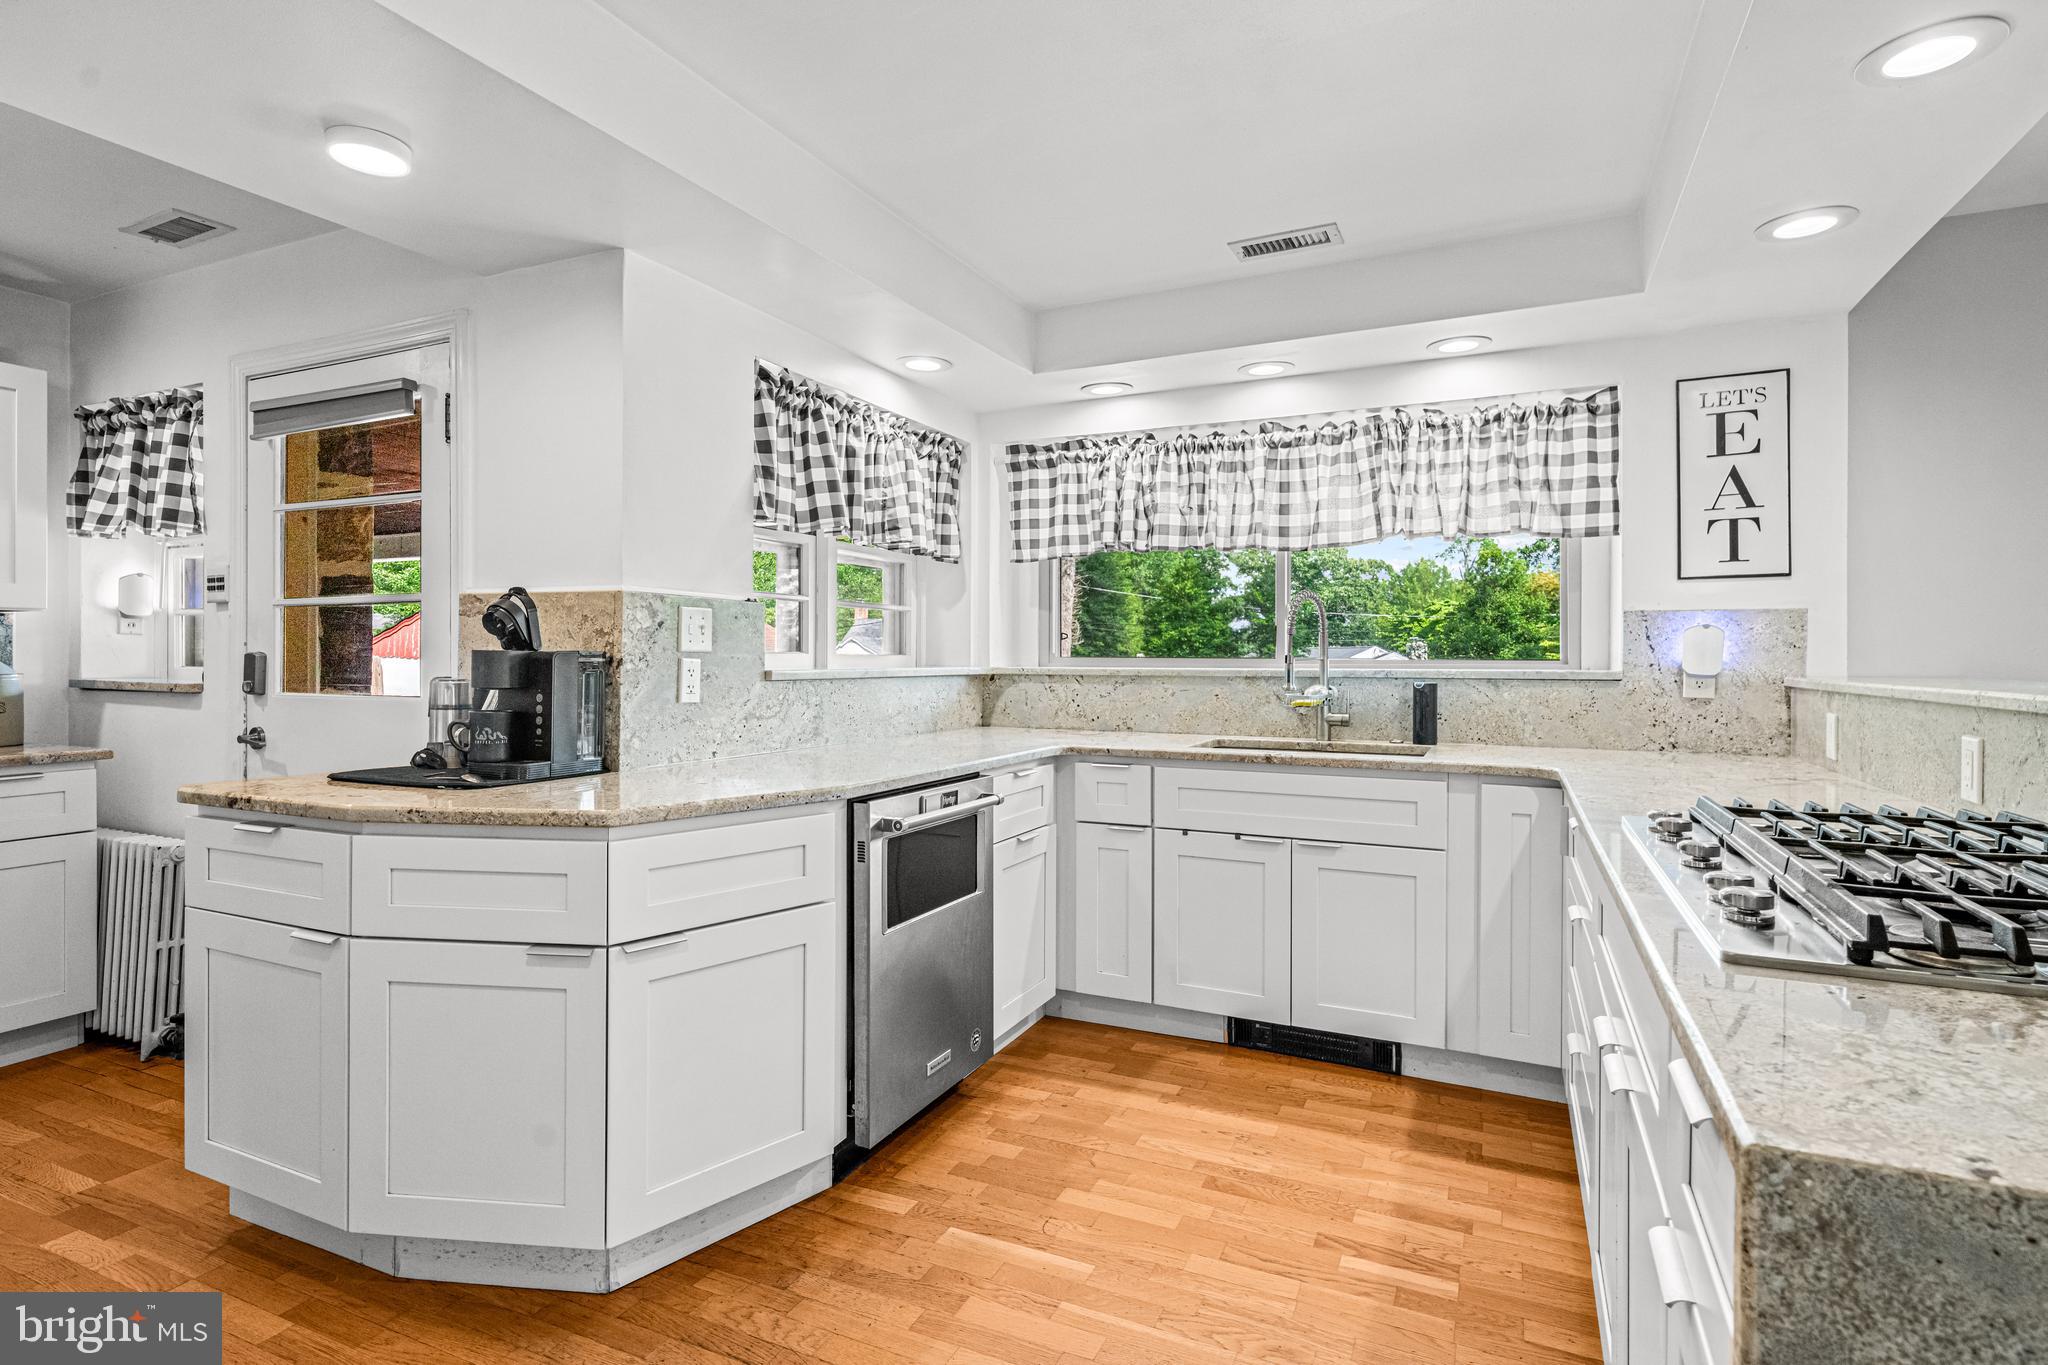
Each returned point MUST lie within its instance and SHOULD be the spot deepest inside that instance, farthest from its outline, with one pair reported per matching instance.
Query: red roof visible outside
(400, 641)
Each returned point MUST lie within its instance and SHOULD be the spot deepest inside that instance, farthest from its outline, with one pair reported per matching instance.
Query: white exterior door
(24, 513)
(48, 929)
(348, 533)
(266, 1069)
(1369, 941)
(1111, 951)
(1521, 922)
(1025, 943)
(477, 1091)
(726, 1065)
(1220, 924)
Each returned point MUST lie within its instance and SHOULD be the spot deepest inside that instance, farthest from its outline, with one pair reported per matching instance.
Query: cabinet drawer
(492, 890)
(269, 871)
(37, 802)
(1027, 801)
(668, 882)
(1350, 808)
(1113, 793)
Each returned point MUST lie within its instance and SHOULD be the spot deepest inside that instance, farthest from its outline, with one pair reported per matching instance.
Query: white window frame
(177, 554)
(1586, 575)
(818, 603)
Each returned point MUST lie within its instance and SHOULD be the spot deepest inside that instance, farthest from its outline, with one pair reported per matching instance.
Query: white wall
(1646, 368)
(545, 404)
(1947, 495)
(36, 332)
(689, 442)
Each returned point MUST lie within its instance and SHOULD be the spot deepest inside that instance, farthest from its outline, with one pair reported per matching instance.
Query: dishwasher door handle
(889, 826)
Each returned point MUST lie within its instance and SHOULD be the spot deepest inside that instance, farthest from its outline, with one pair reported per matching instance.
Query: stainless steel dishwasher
(923, 948)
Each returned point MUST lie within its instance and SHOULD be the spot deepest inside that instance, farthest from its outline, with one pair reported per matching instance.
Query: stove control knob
(1701, 853)
(1721, 881)
(1671, 828)
(1749, 907)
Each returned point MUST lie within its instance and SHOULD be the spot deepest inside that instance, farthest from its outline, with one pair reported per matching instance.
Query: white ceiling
(66, 195)
(1073, 151)
(2020, 179)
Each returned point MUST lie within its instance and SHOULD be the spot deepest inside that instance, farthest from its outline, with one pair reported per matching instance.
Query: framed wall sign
(1735, 475)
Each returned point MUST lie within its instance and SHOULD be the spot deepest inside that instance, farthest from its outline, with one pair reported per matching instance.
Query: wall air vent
(175, 227)
(1278, 243)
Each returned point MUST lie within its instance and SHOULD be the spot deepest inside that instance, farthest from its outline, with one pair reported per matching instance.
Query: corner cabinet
(1221, 924)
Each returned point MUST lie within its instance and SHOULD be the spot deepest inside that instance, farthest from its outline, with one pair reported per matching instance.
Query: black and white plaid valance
(138, 468)
(1547, 465)
(827, 461)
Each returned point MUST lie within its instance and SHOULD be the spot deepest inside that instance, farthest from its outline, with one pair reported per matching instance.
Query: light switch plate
(690, 681)
(1833, 747)
(696, 630)
(1971, 777)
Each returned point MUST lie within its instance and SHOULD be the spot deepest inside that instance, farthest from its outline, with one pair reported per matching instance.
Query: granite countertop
(1990, 694)
(166, 685)
(41, 755)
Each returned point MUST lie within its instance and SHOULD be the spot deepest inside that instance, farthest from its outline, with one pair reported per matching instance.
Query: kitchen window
(184, 580)
(1472, 601)
(829, 602)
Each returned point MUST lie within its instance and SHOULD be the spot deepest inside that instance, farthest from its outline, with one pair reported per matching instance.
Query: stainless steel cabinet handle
(312, 936)
(1608, 1031)
(1691, 1102)
(22, 777)
(648, 945)
(910, 824)
(1131, 829)
(259, 829)
(1575, 1044)
(1019, 774)
(1327, 848)
(1578, 914)
(556, 950)
(1622, 1074)
(1119, 767)
(1257, 839)
(1027, 838)
(1667, 1254)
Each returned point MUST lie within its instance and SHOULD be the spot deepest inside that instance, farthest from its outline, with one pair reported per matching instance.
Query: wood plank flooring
(1090, 1195)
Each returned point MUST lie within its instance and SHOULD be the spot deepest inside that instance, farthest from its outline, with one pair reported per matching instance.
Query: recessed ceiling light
(1938, 47)
(1266, 369)
(1459, 345)
(925, 364)
(369, 151)
(1108, 388)
(1790, 227)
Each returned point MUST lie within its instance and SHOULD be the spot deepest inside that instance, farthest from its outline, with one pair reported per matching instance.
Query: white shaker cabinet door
(266, 1061)
(1220, 916)
(477, 1091)
(1369, 941)
(1111, 947)
(726, 1064)
(1025, 936)
(49, 910)
(1519, 963)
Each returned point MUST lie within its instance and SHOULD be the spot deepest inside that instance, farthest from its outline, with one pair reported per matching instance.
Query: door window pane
(353, 462)
(336, 551)
(353, 650)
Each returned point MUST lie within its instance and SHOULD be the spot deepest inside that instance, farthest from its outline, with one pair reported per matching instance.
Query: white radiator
(142, 936)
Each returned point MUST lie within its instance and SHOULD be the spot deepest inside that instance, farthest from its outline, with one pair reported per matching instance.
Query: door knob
(253, 737)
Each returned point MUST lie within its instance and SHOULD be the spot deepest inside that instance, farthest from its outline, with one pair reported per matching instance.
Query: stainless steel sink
(1317, 746)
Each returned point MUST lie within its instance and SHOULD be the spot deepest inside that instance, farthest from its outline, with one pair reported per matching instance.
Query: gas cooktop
(1951, 899)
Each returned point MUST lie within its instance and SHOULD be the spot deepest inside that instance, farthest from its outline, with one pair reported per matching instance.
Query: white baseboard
(40, 1040)
(1145, 1018)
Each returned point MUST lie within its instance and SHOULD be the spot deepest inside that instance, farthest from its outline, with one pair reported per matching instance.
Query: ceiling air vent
(175, 227)
(1276, 243)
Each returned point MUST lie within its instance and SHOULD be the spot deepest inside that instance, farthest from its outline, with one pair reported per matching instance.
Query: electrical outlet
(127, 625)
(1691, 685)
(690, 682)
(1834, 749)
(696, 631)
(1972, 774)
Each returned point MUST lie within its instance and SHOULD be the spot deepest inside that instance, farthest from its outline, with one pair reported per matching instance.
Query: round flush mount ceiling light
(1108, 388)
(1459, 345)
(1266, 369)
(369, 151)
(1791, 227)
(924, 364)
(1938, 47)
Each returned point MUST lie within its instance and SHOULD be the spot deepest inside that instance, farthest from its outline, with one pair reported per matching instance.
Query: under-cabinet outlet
(690, 681)
(696, 630)
(1833, 746)
(1971, 777)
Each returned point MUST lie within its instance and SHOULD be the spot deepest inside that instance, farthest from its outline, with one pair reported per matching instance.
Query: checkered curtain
(138, 468)
(1545, 465)
(827, 461)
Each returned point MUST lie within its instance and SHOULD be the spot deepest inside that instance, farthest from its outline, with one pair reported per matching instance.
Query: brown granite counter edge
(47, 755)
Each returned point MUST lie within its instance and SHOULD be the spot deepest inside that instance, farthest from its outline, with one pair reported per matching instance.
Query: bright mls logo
(166, 1329)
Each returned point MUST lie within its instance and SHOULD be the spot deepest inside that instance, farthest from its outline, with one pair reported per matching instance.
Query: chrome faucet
(1318, 696)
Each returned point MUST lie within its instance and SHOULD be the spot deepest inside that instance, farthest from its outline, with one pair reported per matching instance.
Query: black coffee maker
(534, 713)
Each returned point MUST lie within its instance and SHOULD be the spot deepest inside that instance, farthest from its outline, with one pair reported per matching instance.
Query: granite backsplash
(6, 638)
(1914, 744)
(744, 713)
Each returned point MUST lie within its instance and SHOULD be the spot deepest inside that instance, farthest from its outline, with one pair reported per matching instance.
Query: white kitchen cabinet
(1111, 948)
(1112, 793)
(1369, 941)
(266, 869)
(1518, 964)
(451, 887)
(477, 1091)
(1406, 810)
(48, 929)
(36, 802)
(1026, 932)
(266, 1069)
(726, 1068)
(662, 883)
(1221, 917)
(24, 465)
(1027, 800)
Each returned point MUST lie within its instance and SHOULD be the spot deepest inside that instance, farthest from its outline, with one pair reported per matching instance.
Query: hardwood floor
(1090, 1195)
